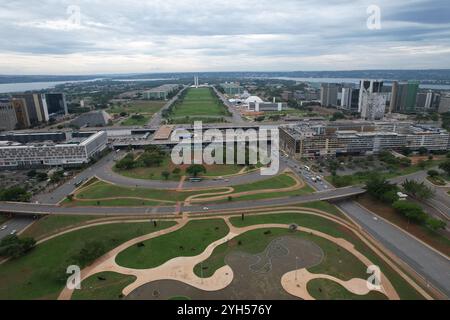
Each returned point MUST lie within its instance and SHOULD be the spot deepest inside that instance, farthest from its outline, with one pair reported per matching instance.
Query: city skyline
(154, 36)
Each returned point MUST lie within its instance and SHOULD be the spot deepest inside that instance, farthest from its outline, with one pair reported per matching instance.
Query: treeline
(152, 156)
(386, 192)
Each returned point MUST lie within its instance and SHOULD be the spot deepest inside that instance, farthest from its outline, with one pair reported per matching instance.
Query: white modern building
(75, 151)
(372, 101)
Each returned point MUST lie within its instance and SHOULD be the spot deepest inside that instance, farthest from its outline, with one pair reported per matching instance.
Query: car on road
(4, 227)
(205, 208)
(13, 232)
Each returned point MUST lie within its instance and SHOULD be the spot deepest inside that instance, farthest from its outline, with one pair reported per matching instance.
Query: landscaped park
(101, 193)
(197, 104)
(136, 112)
(307, 252)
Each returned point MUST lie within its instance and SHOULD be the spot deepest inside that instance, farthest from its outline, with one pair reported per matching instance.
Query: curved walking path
(182, 268)
(296, 283)
(197, 198)
(224, 195)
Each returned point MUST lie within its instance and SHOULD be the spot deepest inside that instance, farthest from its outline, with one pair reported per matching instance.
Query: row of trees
(153, 156)
(15, 247)
(386, 192)
(17, 194)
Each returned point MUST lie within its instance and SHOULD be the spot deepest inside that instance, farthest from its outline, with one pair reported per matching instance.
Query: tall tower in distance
(196, 84)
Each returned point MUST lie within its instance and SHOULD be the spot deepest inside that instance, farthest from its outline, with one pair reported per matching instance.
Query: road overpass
(44, 209)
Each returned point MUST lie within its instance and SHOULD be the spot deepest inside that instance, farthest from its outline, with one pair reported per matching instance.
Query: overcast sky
(124, 36)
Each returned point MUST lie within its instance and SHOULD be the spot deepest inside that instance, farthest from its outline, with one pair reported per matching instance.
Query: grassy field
(115, 195)
(279, 182)
(52, 223)
(324, 289)
(361, 177)
(41, 273)
(103, 286)
(191, 240)
(155, 173)
(324, 206)
(136, 121)
(199, 102)
(338, 262)
(105, 190)
(138, 106)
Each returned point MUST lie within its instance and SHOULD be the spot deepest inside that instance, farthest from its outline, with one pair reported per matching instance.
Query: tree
(411, 211)
(90, 251)
(445, 166)
(381, 189)
(422, 164)
(195, 169)
(418, 189)
(423, 151)
(433, 173)
(435, 224)
(13, 247)
(337, 116)
(165, 174)
(18, 194)
(176, 171)
(126, 163)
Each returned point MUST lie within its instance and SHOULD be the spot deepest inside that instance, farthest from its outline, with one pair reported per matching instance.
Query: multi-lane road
(428, 263)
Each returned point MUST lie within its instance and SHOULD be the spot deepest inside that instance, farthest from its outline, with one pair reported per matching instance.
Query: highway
(155, 121)
(32, 208)
(17, 223)
(236, 116)
(432, 266)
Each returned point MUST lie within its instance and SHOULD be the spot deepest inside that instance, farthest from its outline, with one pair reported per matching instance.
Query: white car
(4, 227)
(205, 208)
(13, 232)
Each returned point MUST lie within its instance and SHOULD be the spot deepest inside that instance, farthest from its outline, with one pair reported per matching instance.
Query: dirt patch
(256, 276)
(433, 239)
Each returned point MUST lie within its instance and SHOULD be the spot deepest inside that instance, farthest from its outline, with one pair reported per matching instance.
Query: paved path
(182, 268)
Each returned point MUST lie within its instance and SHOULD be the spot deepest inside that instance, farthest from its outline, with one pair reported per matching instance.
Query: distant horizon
(212, 71)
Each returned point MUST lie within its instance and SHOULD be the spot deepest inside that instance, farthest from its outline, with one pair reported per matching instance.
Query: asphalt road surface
(434, 267)
(17, 223)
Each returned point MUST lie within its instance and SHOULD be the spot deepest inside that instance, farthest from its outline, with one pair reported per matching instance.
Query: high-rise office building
(444, 104)
(36, 106)
(425, 101)
(346, 98)
(394, 94)
(404, 98)
(8, 119)
(329, 94)
(56, 104)
(372, 100)
(20, 107)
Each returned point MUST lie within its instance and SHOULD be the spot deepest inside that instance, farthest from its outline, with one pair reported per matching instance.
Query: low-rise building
(312, 139)
(160, 93)
(75, 151)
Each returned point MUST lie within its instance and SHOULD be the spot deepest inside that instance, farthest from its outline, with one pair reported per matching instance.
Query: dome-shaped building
(253, 99)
